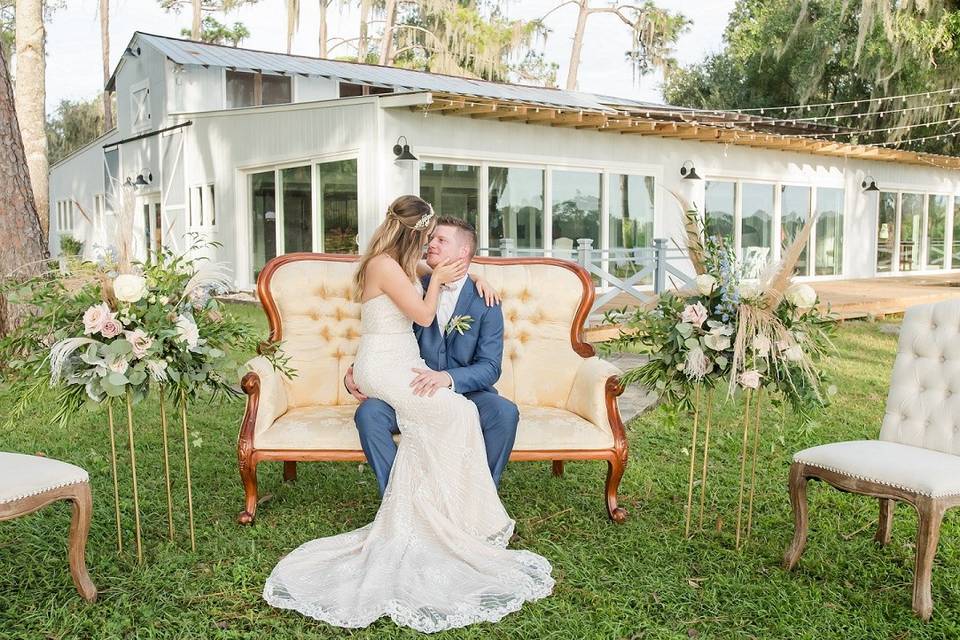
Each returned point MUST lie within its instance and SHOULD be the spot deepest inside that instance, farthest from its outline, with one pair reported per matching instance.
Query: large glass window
(276, 89)
(240, 89)
(718, 210)
(911, 227)
(795, 210)
(631, 222)
(756, 227)
(452, 189)
(297, 218)
(263, 192)
(936, 231)
(886, 231)
(111, 180)
(516, 206)
(829, 232)
(337, 204)
(576, 209)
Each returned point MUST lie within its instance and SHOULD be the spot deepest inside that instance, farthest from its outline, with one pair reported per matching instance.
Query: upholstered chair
(567, 396)
(917, 457)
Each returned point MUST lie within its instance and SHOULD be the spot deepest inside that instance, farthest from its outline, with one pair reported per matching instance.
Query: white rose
(706, 284)
(140, 341)
(129, 287)
(761, 344)
(793, 353)
(187, 331)
(749, 290)
(716, 341)
(118, 366)
(750, 379)
(801, 295)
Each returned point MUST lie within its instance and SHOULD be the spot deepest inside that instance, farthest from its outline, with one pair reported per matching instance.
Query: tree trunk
(362, 42)
(390, 19)
(23, 246)
(105, 48)
(323, 28)
(30, 99)
(196, 29)
(293, 21)
(577, 45)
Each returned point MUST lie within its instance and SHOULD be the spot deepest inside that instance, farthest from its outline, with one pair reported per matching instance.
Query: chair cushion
(332, 427)
(923, 471)
(22, 476)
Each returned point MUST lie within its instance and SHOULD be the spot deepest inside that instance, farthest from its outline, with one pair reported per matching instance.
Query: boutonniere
(458, 324)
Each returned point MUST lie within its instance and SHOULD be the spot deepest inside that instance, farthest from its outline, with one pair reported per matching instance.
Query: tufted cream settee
(917, 457)
(566, 395)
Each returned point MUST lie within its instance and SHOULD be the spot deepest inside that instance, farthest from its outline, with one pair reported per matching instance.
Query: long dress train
(435, 555)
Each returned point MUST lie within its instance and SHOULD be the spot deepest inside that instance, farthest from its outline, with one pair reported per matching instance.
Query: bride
(435, 555)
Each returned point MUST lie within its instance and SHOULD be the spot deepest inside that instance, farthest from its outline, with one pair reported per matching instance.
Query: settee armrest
(266, 395)
(590, 390)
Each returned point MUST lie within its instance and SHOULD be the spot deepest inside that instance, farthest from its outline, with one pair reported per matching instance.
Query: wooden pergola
(683, 124)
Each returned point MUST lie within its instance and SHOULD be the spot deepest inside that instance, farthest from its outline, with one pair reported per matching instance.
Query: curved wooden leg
(289, 471)
(886, 521)
(798, 500)
(928, 534)
(615, 469)
(558, 468)
(248, 474)
(79, 529)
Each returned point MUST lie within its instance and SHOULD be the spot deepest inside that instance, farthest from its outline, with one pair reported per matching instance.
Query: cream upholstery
(561, 394)
(22, 476)
(919, 445)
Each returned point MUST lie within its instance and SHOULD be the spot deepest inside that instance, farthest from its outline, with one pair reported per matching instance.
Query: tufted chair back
(309, 304)
(923, 406)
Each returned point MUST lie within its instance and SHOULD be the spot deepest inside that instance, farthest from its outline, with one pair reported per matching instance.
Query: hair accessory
(424, 220)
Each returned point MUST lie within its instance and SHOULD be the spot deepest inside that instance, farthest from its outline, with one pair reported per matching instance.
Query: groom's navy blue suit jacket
(473, 359)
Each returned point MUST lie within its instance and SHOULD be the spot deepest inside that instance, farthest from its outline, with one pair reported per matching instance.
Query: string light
(880, 100)
(881, 130)
(864, 114)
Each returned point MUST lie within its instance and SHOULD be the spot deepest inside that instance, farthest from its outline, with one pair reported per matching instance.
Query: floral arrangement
(723, 329)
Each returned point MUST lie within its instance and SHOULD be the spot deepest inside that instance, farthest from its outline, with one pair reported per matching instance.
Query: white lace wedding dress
(435, 555)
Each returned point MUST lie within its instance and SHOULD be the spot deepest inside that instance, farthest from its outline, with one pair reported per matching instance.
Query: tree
(293, 21)
(780, 52)
(24, 249)
(105, 57)
(322, 35)
(200, 7)
(30, 97)
(7, 29)
(215, 32)
(73, 125)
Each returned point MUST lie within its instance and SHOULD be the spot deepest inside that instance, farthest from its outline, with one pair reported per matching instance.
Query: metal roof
(201, 53)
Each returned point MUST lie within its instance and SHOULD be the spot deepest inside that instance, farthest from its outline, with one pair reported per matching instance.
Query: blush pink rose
(111, 328)
(94, 317)
(695, 314)
(750, 379)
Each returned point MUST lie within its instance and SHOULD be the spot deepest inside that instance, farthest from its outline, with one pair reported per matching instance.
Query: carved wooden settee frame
(250, 456)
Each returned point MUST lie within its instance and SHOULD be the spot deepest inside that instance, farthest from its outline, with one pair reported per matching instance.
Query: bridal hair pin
(424, 220)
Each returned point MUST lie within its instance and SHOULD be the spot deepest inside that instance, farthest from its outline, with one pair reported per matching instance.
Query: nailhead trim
(37, 492)
(888, 484)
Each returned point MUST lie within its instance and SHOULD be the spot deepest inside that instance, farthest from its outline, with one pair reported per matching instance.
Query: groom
(463, 349)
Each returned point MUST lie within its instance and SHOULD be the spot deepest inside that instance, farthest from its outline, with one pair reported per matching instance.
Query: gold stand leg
(113, 466)
(753, 470)
(743, 462)
(166, 463)
(693, 463)
(133, 469)
(186, 460)
(706, 457)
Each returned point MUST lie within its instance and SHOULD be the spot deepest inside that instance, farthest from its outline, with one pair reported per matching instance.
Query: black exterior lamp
(402, 152)
(143, 179)
(869, 184)
(688, 171)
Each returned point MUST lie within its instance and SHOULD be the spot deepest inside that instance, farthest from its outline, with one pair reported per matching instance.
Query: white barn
(265, 153)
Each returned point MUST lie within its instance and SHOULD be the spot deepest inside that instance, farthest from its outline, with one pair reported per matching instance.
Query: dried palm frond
(124, 209)
(213, 275)
(60, 352)
(776, 277)
(693, 236)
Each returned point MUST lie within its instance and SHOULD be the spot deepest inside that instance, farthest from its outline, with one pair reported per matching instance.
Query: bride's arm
(423, 269)
(385, 273)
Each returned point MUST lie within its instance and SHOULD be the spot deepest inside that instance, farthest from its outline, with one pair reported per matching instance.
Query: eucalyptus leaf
(117, 379)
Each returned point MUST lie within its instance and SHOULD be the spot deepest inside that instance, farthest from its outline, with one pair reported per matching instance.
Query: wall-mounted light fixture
(869, 184)
(402, 152)
(133, 52)
(688, 171)
(144, 179)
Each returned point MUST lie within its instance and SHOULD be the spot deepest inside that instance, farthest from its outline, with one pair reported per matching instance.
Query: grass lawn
(636, 580)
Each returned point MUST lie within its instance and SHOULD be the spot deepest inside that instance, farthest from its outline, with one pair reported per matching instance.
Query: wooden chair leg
(798, 500)
(248, 474)
(615, 469)
(82, 504)
(930, 513)
(886, 521)
(289, 471)
(558, 468)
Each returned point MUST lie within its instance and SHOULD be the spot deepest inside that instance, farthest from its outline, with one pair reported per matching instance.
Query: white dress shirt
(449, 294)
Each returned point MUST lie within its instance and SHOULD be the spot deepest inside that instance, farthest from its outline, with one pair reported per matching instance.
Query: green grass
(636, 580)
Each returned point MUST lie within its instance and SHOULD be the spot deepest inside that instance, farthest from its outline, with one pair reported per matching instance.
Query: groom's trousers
(377, 423)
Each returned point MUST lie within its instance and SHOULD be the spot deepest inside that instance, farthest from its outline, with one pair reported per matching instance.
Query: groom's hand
(351, 386)
(428, 381)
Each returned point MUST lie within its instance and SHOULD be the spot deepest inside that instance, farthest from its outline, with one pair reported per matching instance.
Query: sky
(73, 39)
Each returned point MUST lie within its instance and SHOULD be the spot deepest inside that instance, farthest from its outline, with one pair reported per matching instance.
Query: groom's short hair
(463, 227)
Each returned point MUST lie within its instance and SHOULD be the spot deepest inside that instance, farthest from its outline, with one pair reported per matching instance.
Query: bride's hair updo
(406, 228)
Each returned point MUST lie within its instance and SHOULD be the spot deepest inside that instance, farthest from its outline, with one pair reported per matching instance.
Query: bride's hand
(486, 290)
(448, 271)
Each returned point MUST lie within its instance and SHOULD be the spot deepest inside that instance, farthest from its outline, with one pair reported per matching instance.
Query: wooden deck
(850, 299)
